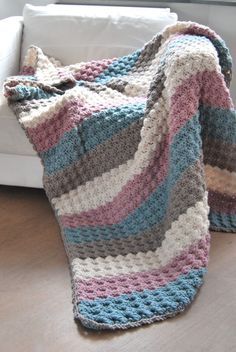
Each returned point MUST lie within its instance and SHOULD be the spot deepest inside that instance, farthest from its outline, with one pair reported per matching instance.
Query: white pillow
(74, 33)
(11, 31)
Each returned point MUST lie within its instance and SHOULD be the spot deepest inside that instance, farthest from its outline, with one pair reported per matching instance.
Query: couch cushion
(74, 33)
(10, 43)
(12, 137)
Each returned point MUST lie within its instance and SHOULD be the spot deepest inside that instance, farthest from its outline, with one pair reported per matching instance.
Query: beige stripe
(220, 180)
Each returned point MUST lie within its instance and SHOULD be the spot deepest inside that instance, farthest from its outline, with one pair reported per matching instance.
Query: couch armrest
(10, 46)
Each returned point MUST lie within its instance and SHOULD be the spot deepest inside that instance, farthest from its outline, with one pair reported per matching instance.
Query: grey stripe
(156, 88)
(219, 153)
(184, 195)
(117, 84)
(148, 52)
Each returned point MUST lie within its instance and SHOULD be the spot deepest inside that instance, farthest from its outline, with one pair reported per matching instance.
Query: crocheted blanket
(139, 159)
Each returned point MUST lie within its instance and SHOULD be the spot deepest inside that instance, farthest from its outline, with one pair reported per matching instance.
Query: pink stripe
(222, 203)
(207, 87)
(89, 71)
(214, 91)
(27, 71)
(136, 189)
(195, 257)
(196, 29)
(48, 133)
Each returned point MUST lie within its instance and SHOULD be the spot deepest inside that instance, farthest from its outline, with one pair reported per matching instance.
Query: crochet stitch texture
(136, 151)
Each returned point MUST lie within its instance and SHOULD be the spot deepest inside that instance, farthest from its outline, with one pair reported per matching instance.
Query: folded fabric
(139, 159)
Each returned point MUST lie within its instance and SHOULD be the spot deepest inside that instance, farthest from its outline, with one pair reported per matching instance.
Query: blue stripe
(223, 54)
(184, 152)
(23, 92)
(69, 149)
(92, 132)
(105, 124)
(218, 123)
(222, 222)
(118, 68)
(128, 308)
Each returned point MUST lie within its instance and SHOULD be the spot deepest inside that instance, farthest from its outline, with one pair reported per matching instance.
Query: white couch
(71, 34)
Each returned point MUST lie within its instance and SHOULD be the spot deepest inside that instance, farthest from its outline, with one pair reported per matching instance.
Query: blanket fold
(139, 157)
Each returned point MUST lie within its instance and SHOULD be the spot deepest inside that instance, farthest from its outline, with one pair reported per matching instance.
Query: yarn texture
(139, 157)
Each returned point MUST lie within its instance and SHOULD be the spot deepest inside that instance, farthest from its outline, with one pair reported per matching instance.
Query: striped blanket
(139, 162)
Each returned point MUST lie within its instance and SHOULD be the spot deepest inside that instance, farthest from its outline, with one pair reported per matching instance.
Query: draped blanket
(139, 160)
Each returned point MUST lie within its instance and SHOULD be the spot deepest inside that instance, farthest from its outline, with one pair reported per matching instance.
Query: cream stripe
(189, 228)
(220, 180)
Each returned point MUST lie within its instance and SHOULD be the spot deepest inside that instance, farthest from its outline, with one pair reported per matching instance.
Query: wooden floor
(35, 295)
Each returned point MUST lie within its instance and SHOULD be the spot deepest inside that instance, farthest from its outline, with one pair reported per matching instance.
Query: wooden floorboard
(35, 294)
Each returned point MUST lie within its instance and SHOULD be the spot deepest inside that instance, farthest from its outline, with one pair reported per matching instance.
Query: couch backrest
(74, 33)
